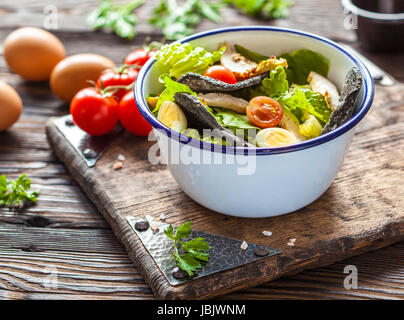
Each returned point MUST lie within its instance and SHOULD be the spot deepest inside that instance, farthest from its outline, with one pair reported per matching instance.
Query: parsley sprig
(188, 254)
(16, 193)
(178, 19)
(118, 18)
(265, 8)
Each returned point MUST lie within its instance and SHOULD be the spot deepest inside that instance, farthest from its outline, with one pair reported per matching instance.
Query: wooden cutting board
(363, 210)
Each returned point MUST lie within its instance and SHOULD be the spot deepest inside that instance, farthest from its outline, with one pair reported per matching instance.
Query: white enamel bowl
(262, 182)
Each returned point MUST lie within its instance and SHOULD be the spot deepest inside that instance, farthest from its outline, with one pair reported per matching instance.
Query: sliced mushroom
(244, 69)
(225, 101)
(235, 62)
(326, 88)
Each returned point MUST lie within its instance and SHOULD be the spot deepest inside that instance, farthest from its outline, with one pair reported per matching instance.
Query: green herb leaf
(169, 232)
(118, 18)
(265, 8)
(189, 254)
(16, 192)
(187, 263)
(183, 231)
(177, 20)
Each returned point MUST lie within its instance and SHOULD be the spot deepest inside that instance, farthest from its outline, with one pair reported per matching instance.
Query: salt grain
(244, 245)
(121, 157)
(267, 233)
(162, 217)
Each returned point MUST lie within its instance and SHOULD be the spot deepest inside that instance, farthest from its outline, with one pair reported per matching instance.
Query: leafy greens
(301, 101)
(183, 58)
(172, 87)
(265, 8)
(16, 192)
(118, 18)
(178, 20)
(188, 254)
(302, 62)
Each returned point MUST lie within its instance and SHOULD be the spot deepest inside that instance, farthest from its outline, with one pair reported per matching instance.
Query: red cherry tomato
(264, 112)
(131, 118)
(93, 112)
(123, 78)
(221, 73)
(139, 57)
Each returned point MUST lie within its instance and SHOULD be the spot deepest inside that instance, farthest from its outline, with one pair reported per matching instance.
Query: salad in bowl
(254, 121)
(237, 97)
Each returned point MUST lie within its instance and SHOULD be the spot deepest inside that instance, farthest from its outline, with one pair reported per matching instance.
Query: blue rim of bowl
(357, 117)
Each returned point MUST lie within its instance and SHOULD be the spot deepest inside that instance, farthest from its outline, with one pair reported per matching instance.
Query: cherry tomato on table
(93, 112)
(221, 73)
(123, 77)
(139, 57)
(131, 118)
(264, 112)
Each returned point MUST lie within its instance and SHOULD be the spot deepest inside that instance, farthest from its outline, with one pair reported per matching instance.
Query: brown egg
(75, 72)
(10, 106)
(33, 53)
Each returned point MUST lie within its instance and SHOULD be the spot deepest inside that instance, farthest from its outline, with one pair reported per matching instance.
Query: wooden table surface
(62, 248)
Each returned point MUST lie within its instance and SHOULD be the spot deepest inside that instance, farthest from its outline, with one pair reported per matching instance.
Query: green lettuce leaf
(256, 57)
(276, 84)
(235, 121)
(302, 101)
(302, 62)
(213, 140)
(311, 128)
(183, 58)
(172, 87)
(320, 108)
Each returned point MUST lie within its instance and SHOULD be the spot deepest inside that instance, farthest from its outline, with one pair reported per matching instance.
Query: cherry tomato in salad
(93, 112)
(139, 57)
(123, 77)
(221, 73)
(264, 112)
(131, 118)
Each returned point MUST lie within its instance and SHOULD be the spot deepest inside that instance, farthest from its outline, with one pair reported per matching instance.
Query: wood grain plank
(36, 239)
(113, 276)
(91, 275)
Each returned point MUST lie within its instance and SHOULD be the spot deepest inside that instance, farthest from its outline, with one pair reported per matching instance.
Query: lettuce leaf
(320, 108)
(172, 87)
(183, 58)
(254, 56)
(276, 84)
(234, 121)
(302, 62)
(311, 128)
(302, 101)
